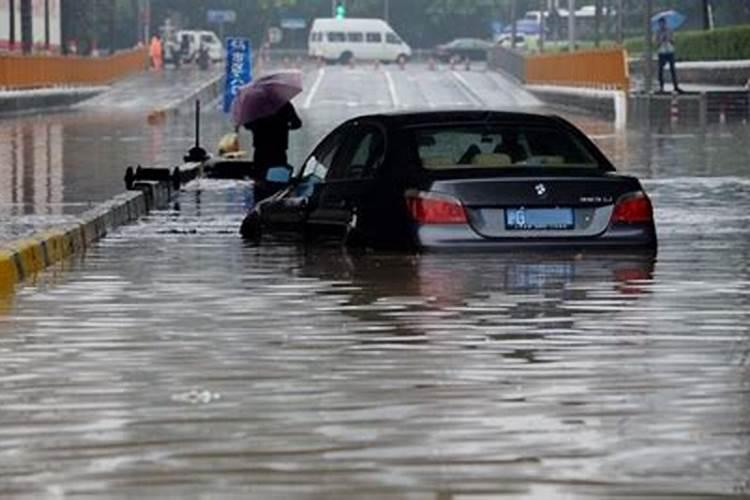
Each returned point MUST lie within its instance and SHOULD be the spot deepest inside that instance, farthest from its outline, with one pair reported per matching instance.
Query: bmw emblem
(541, 190)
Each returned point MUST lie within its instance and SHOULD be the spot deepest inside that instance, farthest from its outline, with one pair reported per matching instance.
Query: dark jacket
(271, 136)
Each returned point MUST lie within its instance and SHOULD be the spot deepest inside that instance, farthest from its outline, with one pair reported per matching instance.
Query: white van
(193, 39)
(365, 39)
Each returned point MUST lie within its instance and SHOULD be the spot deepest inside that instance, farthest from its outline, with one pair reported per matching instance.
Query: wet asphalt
(172, 360)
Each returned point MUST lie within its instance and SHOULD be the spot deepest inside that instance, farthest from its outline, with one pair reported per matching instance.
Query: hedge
(717, 45)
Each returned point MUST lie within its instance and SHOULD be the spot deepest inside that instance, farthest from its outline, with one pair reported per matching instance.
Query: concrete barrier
(209, 91)
(14, 103)
(609, 104)
(24, 258)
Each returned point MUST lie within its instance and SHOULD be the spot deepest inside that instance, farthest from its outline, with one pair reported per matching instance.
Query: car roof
(412, 118)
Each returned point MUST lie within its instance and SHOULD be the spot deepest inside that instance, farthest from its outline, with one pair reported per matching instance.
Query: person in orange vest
(155, 51)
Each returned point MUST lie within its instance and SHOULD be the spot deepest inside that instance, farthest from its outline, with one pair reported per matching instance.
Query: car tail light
(633, 208)
(434, 208)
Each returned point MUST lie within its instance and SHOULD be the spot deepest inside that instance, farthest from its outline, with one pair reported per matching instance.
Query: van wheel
(401, 59)
(346, 57)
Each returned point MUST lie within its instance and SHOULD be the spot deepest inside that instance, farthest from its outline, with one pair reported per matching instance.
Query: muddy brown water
(172, 360)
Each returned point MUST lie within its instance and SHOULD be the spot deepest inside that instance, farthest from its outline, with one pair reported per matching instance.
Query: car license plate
(539, 219)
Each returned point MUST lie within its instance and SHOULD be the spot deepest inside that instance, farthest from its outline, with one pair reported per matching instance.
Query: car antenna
(197, 153)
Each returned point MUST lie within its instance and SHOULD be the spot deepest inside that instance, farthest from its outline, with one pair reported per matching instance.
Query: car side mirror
(279, 175)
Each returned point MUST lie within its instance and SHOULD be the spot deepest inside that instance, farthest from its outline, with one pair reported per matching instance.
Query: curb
(206, 92)
(24, 258)
(21, 103)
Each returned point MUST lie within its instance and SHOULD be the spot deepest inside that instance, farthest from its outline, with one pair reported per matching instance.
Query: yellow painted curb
(8, 271)
(30, 254)
(24, 258)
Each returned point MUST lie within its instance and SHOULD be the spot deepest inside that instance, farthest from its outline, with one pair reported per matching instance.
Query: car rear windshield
(502, 146)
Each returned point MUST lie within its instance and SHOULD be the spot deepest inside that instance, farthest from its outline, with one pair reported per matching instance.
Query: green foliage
(716, 45)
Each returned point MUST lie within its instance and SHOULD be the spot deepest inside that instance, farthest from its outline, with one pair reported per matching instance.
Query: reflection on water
(172, 360)
(31, 166)
(175, 360)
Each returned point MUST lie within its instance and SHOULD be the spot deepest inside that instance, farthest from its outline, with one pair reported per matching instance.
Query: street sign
(293, 23)
(275, 35)
(239, 68)
(221, 16)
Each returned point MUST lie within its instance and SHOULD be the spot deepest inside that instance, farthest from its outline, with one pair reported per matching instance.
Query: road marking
(314, 89)
(468, 90)
(392, 90)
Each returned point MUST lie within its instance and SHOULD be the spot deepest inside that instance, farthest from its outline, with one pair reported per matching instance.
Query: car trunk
(543, 205)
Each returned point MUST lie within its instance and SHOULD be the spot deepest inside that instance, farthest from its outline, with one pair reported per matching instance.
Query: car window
(336, 36)
(362, 155)
(355, 37)
(499, 147)
(320, 161)
(374, 38)
(207, 38)
(392, 39)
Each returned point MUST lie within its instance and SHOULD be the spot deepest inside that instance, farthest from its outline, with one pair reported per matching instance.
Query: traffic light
(340, 10)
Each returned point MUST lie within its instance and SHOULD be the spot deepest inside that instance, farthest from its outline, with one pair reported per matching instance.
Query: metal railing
(36, 71)
(603, 69)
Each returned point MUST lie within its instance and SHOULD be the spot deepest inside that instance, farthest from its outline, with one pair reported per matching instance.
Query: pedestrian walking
(665, 49)
(155, 51)
(271, 136)
(264, 107)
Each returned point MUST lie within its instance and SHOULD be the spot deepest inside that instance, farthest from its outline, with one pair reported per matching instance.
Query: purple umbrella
(265, 96)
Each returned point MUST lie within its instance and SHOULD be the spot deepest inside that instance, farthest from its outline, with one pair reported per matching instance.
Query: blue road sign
(221, 16)
(239, 68)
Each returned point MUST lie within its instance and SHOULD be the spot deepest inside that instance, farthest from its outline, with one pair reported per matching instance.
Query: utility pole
(386, 9)
(620, 23)
(513, 6)
(146, 9)
(571, 25)
(707, 11)
(27, 33)
(597, 23)
(648, 70)
(544, 9)
(12, 38)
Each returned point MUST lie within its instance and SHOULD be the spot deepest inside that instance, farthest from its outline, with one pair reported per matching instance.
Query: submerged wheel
(250, 228)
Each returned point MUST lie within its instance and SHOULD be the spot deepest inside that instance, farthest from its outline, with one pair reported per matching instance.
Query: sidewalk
(142, 92)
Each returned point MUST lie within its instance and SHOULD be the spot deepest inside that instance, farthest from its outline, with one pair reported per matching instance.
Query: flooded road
(173, 360)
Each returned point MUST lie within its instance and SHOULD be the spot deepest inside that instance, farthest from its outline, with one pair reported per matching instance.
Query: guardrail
(510, 61)
(34, 71)
(603, 69)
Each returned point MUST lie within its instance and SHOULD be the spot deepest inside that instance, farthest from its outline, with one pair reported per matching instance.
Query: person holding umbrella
(264, 107)
(665, 49)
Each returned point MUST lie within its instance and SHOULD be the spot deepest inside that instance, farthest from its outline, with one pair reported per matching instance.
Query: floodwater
(172, 360)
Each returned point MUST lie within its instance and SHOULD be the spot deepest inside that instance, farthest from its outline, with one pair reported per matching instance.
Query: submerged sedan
(458, 180)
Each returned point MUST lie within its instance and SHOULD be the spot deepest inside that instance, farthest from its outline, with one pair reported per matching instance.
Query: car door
(290, 208)
(348, 196)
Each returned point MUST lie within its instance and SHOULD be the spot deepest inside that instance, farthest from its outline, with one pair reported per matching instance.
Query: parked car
(458, 180)
(341, 40)
(505, 41)
(472, 49)
(191, 42)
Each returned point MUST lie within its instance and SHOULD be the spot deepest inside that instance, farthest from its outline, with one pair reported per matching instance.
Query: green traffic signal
(340, 11)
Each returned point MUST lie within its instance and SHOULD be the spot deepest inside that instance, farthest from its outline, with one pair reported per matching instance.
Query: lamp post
(571, 25)
(386, 9)
(648, 44)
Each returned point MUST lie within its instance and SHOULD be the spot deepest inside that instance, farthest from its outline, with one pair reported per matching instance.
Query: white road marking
(392, 90)
(314, 89)
(468, 90)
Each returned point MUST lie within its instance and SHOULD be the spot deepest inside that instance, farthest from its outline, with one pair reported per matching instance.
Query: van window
(336, 36)
(393, 39)
(355, 37)
(374, 38)
(207, 39)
